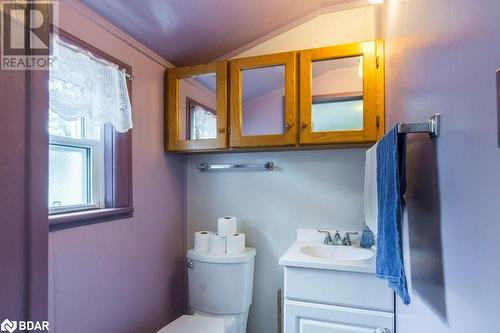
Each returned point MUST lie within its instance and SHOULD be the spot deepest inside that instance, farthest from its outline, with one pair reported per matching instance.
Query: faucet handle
(328, 236)
(347, 239)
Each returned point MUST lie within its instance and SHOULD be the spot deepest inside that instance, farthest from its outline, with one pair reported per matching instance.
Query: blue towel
(391, 186)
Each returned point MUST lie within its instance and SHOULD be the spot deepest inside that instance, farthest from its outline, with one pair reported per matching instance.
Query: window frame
(95, 169)
(116, 199)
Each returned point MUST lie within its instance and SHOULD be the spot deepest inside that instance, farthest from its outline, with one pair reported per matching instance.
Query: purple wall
(126, 275)
(442, 57)
(23, 191)
(13, 168)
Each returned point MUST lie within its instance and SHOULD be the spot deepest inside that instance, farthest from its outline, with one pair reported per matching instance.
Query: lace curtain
(82, 85)
(203, 124)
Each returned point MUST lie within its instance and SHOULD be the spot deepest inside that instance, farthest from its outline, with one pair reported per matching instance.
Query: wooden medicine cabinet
(339, 91)
(263, 101)
(326, 97)
(197, 107)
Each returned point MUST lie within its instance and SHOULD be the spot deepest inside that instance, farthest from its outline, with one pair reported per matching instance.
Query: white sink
(341, 253)
(308, 251)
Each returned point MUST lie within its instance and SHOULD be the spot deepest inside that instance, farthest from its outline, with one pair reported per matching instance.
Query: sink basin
(308, 251)
(341, 253)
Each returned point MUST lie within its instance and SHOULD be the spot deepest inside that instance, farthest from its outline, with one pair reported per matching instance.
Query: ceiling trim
(106, 25)
(293, 24)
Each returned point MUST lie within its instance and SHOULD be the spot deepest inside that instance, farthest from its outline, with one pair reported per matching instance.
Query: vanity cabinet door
(303, 317)
(341, 94)
(197, 108)
(263, 101)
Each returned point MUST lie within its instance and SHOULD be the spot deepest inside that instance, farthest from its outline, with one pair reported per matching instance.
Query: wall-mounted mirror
(338, 94)
(263, 100)
(197, 107)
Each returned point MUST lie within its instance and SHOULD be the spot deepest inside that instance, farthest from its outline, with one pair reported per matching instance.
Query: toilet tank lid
(224, 258)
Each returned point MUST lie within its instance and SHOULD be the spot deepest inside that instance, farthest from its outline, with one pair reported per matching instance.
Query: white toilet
(220, 293)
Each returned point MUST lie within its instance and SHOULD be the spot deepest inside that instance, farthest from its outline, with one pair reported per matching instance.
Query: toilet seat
(194, 324)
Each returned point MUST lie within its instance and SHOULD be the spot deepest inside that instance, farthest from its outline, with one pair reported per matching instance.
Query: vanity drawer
(361, 290)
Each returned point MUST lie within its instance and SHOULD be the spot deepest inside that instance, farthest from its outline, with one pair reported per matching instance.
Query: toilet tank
(221, 284)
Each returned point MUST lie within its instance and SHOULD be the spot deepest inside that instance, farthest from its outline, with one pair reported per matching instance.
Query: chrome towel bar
(432, 126)
(205, 167)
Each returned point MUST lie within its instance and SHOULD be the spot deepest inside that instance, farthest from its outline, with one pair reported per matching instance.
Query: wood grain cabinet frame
(373, 93)
(173, 140)
(289, 136)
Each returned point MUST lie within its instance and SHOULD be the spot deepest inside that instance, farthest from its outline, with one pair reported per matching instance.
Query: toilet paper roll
(235, 243)
(226, 225)
(217, 244)
(202, 241)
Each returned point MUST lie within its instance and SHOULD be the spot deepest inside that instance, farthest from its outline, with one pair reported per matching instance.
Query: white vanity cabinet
(305, 317)
(331, 301)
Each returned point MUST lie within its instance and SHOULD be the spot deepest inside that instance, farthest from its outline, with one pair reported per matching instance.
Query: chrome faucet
(347, 239)
(336, 240)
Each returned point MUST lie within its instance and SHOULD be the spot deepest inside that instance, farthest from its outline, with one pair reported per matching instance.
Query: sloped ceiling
(188, 32)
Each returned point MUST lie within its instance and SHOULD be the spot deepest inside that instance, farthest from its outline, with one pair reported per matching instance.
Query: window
(76, 165)
(90, 178)
(202, 120)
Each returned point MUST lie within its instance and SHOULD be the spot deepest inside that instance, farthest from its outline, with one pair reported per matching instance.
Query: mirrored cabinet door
(197, 107)
(338, 94)
(263, 101)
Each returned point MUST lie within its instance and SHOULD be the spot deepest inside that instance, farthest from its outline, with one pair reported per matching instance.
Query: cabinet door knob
(304, 125)
(221, 130)
(289, 126)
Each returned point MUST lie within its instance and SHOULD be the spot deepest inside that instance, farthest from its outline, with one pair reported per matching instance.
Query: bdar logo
(8, 326)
